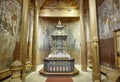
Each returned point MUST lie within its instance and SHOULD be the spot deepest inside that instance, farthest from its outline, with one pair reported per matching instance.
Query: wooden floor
(81, 77)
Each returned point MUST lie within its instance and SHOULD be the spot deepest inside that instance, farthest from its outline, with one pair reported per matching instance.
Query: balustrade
(58, 65)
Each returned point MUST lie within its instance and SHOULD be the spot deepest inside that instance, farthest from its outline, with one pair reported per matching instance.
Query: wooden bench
(5, 74)
(112, 76)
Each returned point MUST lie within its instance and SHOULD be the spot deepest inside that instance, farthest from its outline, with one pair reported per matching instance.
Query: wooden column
(30, 36)
(23, 37)
(35, 29)
(89, 54)
(94, 38)
(83, 39)
(115, 46)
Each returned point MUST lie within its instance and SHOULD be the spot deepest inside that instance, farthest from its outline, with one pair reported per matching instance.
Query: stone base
(42, 72)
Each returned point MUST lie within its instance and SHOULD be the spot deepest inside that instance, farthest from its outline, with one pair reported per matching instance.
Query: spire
(59, 22)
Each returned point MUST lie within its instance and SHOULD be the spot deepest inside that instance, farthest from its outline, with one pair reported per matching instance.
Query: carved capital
(95, 41)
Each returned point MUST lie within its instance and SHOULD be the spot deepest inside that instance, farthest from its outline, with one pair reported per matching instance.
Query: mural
(46, 27)
(10, 15)
(109, 18)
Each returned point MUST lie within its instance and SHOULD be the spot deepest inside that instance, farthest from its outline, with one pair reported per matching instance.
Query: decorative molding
(59, 4)
(16, 69)
(95, 41)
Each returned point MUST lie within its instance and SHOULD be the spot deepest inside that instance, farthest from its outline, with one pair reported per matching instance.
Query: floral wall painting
(109, 18)
(10, 17)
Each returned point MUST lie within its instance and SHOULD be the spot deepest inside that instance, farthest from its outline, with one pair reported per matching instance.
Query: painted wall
(109, 20)
(10, 16)
(46, 28)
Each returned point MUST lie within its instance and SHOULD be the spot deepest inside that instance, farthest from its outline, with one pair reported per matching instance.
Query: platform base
(42, 72)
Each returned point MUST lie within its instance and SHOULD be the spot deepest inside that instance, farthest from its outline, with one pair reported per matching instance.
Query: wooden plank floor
(82, 77)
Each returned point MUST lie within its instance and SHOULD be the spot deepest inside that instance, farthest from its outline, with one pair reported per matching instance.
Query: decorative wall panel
(109, 18)
(10, 15)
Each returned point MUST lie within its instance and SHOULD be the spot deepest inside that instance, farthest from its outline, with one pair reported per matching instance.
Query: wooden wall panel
(107, 56)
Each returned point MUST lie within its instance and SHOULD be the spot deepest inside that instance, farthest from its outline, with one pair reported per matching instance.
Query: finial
(59, 23)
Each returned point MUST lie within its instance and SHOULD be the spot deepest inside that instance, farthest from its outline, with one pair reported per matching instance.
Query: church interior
(59, 40)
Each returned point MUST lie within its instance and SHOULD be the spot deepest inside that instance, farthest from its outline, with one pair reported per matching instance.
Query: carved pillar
(94, 38)
(83, 39)
(23, 37)
(16, 68)
(35, 29)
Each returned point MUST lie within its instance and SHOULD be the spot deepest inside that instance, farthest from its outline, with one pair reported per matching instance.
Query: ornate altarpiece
(59, 61)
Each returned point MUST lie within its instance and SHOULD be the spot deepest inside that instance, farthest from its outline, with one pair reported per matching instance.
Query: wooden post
(89, 54)
(115, 46)
(35, 29)
(83, 39)
(30, 38)
(23, 37)
(94, 38)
